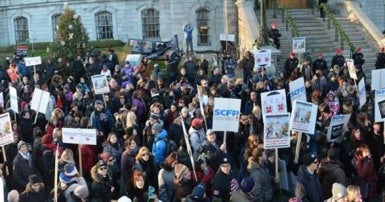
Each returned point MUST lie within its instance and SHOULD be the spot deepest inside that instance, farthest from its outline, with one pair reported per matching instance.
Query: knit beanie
(338, 191)
(180, 171)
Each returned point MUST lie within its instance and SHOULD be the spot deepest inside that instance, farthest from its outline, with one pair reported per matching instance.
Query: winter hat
(339, 50)
(33, 179)
(157, 127)
(68, 156)
(309, 159)
(23, 104)
(338, 191)
(124, 199)
(358, 49)
(292, 53)
(198, 192)
(269, 152)
(13, 195)
(21, 143)
(247, 184)
(197, 122)
(209, 131)
(105, 156)
(319, 54)
(47, 139)
(81, 191)
(99, 102)
(64, 179)
(180, 170)
(70, 170)
(224, 160)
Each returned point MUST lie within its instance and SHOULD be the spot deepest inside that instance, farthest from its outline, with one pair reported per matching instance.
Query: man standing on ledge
(188, 29)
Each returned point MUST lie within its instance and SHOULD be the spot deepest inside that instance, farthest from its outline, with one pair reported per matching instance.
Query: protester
(308, 187)
(224, 183)
(34, 191)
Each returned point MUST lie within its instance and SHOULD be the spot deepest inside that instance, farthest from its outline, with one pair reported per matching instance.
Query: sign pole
(80, 159)
(56, 172)
(188, 148)
(276, 163)
(224, 137)
(297, 148)
(5, 159)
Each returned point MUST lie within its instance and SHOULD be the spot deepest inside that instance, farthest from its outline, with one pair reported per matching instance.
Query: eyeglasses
(110, 160)
(102, 168)
(146, 154)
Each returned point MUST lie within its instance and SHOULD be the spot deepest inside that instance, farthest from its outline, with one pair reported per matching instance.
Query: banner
(13, 99)
(361, 92)
(6, 133)
(273, 102)
(297, 90)
(262, 58)
(31, 61)
(79, 136)
(379, 105)
(227, 37)
(351, 68)
(100, 84)
(338, 125)
(276, 131)
(226, 114)
(153, 49)
(40, 100)
(378, 79)
(303, 117)
(299, 44)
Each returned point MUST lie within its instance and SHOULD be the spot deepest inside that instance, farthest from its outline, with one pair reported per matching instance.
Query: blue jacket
(159, 147)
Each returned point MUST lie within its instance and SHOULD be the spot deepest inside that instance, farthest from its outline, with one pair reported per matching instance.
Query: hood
(330, 166)
(200, 131)
(162, 135)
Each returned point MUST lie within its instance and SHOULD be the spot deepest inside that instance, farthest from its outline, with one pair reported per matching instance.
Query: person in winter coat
(320, 64)
(127, 163)
(274, 34)
(308, 187)
(159, 146)
(264, 187)
(22, 166)
(102, 119)
(224, 183)
(338, 59)
(69, 181)
(380, 62)
(34, 191)
(333, 103)
(212, 149)
(101, 187)
(290, 64)
(113, 147)
(244, 193)
(364, 165)
(197, 136)
(205, 173)
(340, 193)
(331, 171)
(247, 64)
(183, 181)
(136, 188)
(144, 162)
(166, 177)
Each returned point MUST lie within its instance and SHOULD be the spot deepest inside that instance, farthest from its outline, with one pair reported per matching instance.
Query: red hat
(23, 104)
(197, 122)
(382, 48)
(339, 50)
(273, 24)
(105, 156)
(358, 49)
(292, 53)
(319, 54)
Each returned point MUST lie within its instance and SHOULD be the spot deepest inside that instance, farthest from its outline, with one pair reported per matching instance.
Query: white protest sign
(6, 133)
(273, 102)
(276, 131)
(79, 136)
(336, 127)
(378, 79)
(134, 59)
(351, 68)
(13, 99)
(40, 100)
(297, 90)
(31, 61)
(303, 117)
(227, 37)
(362, 92)
(100, 84)
(379, 105)
(299, 44)
(262, 58)
(226, 114)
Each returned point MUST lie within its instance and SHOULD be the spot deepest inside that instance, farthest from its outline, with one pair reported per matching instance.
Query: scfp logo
(297, 92)
(226, 112)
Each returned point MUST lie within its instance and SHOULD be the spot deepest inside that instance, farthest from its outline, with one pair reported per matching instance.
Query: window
(21, 30)
(150, 24)
(55, 25)
(203, 19)
(104, 25)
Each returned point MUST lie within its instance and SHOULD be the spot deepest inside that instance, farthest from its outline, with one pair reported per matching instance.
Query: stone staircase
(321, 39)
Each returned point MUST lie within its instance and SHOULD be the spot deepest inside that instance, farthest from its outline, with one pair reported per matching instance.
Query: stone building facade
(36, 20)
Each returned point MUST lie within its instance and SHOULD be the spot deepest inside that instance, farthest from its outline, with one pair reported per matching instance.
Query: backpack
(171, 146)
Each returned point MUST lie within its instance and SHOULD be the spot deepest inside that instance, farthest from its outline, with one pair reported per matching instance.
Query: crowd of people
(154, 141)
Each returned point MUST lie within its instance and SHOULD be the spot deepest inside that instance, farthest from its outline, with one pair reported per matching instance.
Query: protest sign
(134, 59)
(227, 37)
(40, 100)
(6, 133)
(304, 116)
(379, 105)
(79, 136)
(276, 131)
(378, 79)
(273, 102)
(297, 90)
(31, 61)
(226, 114)
(13, 99)
(299, 44)
(262, 58)
(361, 92)
(338, 124)
(100, 84)
(351, 68)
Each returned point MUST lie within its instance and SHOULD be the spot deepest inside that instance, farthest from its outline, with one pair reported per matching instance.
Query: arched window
(104, 29)
(21, 30)
(55, 25)
(203, 19)
(150, 24)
